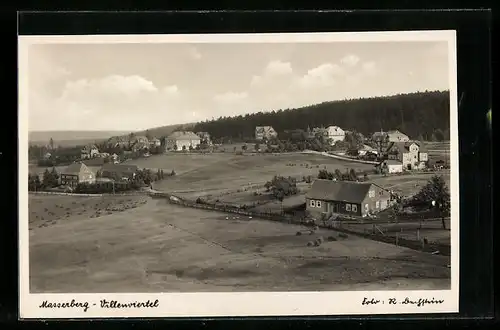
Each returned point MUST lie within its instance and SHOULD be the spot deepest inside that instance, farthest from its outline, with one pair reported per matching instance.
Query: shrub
(331, 238)
(298, 233)
(343, 235)
(310, 243)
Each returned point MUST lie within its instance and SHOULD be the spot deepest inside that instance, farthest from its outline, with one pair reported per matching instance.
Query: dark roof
(74, 169)
(119, 168)
(183, 135)
(94, 161)
(345, 191)
(405, 146)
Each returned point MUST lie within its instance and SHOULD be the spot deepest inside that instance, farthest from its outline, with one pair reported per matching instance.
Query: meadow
(159, 247)
(137, 244)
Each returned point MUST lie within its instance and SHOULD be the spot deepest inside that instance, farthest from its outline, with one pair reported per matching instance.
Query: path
(347, 159)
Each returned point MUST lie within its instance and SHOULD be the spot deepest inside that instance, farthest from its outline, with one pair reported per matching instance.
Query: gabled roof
(262, 129)
(183, 135)
(405, 146)
(351, 192)
(89, 147)
(94, 162)
(75, 169)
(395, 131)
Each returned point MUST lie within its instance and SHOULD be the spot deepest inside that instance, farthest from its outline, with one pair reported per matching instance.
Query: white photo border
(237, 304)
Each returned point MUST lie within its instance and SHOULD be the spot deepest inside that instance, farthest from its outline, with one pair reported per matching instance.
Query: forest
(422, 116)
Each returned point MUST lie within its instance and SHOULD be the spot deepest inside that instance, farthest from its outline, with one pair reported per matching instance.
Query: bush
(343, 235)
(310, 243)
(298, 233)
(331, 239)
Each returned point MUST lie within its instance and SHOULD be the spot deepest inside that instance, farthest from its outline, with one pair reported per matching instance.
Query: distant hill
(420, 115)
(161, 131)
(68, 138)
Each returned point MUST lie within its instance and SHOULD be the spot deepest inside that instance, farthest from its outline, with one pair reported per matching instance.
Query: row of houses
(331, 133)
(79, 172)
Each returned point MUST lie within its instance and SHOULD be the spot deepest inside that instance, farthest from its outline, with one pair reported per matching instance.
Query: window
(348, 207)
(371, 193)
(367, 207)
(312, 203)
(354, 208)
(318, 203)
(377, 204)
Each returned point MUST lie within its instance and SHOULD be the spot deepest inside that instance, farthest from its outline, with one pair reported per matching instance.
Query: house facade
(328, 197)
(89, 152)
(154, 142)
(182, 140)
(265, 133)
(335, 134)
(77, 173)
(412, 155)
(392, 166)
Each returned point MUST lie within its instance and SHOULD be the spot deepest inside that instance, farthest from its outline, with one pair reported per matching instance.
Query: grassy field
(232, 172)
(408, 184)
(158, 247)
(46, 210)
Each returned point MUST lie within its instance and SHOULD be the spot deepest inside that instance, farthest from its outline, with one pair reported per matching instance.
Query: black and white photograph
(238, 174)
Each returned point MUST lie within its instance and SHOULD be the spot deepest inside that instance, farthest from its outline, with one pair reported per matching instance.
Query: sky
(141, 86)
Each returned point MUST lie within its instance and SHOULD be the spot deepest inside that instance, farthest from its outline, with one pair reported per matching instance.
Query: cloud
(369, 67)
(116, 100)
(230, 97)
(273, 72)
(320, 76)
(350, 60)
(278, 68)
(194, 53)
(171, 90)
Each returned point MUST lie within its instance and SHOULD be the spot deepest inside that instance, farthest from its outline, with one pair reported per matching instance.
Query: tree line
(422, 116)
(142, 177)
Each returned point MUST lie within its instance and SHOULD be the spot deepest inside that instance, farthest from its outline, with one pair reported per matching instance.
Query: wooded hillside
(422, 116)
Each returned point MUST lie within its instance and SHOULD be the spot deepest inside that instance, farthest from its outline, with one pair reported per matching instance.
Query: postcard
(207, 175)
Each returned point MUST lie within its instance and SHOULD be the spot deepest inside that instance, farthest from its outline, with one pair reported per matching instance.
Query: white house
(394, 166)
(182, 141)
(335, 134)
(89, 152)
(265, 133)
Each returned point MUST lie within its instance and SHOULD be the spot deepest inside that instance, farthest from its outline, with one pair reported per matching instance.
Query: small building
(77, 173)
(393, 166)
(118, 171)
(265, 133)
(102, 155)
(114, 159)
(366, 149)
(155, 142)
(412, 155)
(328, 197)
(118, 142)
(335, 134)
(182, 140)
(89, 152)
